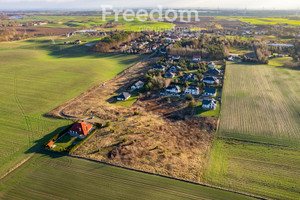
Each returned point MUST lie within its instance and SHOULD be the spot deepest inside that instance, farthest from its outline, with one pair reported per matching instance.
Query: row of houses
(175, 89)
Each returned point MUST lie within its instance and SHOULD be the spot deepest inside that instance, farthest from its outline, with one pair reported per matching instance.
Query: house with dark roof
(173, 89)
(174, 69)
(175, 57)
(192, 90)
(208, 91)
(137, 85)
(213, 72)
(80, 129)
(210, 104)
(159, 67)
(210, 80)
(211, 65)
(169, 75)
(123, 96)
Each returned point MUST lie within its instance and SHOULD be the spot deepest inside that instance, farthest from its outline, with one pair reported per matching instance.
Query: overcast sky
(96, 4)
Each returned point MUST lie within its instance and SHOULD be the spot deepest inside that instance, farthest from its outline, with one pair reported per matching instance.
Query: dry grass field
(261, 101)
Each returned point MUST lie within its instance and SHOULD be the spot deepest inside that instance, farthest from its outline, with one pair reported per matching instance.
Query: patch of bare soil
(156, 134)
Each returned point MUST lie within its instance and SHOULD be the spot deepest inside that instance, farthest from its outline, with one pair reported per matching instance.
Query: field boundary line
(17, 166)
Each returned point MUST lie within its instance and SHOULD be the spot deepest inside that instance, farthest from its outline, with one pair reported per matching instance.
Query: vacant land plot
(44, 177)
(262, 102)
(257, 149)
(38, 75)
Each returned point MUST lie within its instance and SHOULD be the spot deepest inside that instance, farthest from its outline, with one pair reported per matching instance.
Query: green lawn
(36, 76)
(208, 113)
(128, 102)
(54, 177)
(65, 142)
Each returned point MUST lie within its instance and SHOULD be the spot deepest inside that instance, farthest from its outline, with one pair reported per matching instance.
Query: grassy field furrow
(258, 148)
(70, 178)
(261, 102)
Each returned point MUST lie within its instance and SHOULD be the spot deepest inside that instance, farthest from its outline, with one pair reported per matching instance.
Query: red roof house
(50, 144)
(81, 128)
(196, 58)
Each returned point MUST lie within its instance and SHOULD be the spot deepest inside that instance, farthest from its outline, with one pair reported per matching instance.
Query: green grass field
(65, 142)
(45, 177)
(268, 171)
(263, 20)
(257, 147)
(261, 101)
(95, 21)
(36, 76)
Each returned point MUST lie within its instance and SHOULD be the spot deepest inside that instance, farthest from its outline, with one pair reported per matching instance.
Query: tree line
(115, 40)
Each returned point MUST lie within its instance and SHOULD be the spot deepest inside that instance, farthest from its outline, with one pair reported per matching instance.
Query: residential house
(173, 89)
(174, 69)
(175, 38)
(196, 58)
(80, 129)
(50, 144)
(159, 67)
(77, 42)
(168, 40)
(213, 72)
(210, 104)
(190, 77)
(210, 80)
(192, 90)
(187, 77)
(210, 91)
(169, 75)
(175, 57)
(211, 65)
(123, 96)
(123, 46)
(137, 85)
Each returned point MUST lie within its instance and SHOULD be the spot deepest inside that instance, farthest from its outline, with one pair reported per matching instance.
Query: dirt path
(17, 166)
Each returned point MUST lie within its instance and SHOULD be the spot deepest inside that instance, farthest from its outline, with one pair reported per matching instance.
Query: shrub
(108, 124)
(125, 140)
(189, 97)
(98, 125)
(192, 104)
(136, 113)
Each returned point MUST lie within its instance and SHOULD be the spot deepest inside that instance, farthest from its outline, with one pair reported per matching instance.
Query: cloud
(9, 1)
(96, 4)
